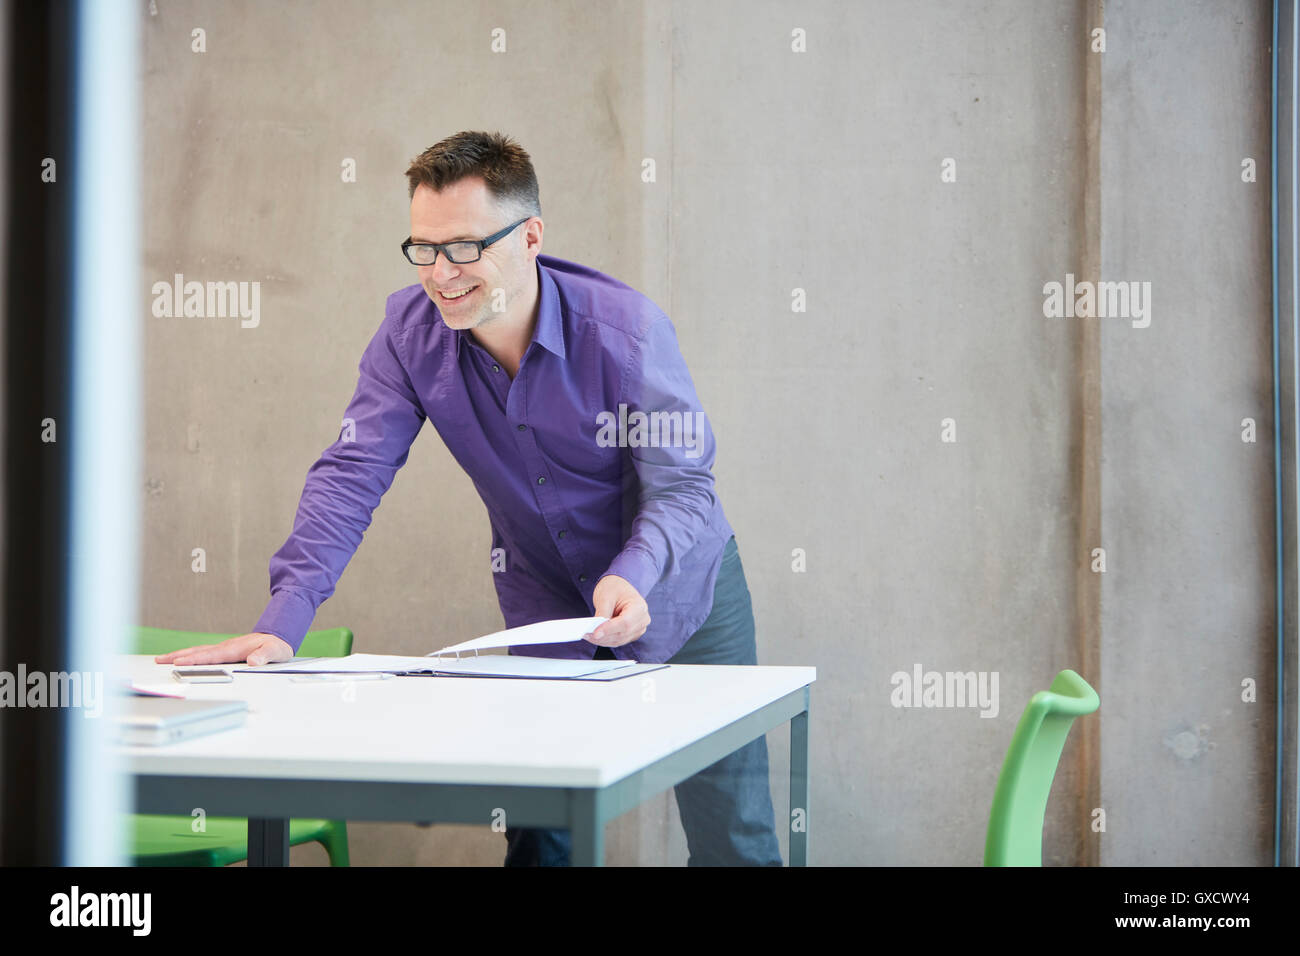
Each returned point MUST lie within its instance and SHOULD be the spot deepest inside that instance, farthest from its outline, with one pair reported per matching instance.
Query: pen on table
(358, 676)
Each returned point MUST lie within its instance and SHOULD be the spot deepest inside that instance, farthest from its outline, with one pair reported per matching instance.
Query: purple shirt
(596, 459)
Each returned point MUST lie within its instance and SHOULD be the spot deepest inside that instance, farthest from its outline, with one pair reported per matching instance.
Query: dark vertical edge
(6, 18)
(36, 473)
(1285, 368)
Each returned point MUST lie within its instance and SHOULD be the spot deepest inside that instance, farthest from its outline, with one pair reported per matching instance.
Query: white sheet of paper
(543, 632)
(486, 665)
(515, 665)
(352, 664)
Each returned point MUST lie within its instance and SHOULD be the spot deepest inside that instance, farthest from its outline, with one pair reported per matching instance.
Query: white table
(533, 753)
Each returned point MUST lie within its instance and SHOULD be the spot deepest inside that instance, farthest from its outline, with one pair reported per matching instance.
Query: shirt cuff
(637, 568)
(287, 616)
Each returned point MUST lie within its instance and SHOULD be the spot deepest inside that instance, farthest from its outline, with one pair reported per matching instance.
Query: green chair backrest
(1015, 833)
(332, 642)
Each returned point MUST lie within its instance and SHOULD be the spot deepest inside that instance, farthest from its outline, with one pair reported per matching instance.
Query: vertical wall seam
(1088, 590)
(1277, 458)
(1287, 728)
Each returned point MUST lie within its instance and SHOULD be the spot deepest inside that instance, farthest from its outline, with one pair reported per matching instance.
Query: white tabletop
(488, 731)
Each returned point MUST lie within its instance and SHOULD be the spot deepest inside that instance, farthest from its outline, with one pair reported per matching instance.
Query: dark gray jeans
(726, 809)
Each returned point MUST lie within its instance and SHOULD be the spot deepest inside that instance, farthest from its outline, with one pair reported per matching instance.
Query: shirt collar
(549, 331)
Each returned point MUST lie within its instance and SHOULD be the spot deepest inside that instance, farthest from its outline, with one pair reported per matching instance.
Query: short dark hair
(504, 166)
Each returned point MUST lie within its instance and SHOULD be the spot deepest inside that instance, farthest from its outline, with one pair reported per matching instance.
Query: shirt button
(563, 533)
(496, 368)
(582, 577)
(521, 427)
(541, 481)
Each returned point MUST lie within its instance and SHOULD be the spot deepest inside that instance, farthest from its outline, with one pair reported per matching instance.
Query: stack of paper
(464, 660)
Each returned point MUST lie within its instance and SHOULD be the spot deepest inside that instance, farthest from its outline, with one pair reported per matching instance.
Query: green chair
(161, 840)
(1015, 834)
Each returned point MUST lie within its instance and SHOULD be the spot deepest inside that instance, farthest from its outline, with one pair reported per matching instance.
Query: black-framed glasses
(466, 250)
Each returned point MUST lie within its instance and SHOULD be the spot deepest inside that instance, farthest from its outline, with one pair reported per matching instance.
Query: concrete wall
(1188, 603)
(778, 171)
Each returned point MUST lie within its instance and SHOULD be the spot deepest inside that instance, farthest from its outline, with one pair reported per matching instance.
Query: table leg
(586, 829)
(268, 842)
(799, 789)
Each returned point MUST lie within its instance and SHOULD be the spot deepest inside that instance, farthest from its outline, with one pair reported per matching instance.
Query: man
(564, 396)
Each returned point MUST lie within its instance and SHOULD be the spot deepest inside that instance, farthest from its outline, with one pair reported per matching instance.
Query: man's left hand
(616, 599)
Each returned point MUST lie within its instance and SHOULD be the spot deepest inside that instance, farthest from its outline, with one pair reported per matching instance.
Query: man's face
(465, 210)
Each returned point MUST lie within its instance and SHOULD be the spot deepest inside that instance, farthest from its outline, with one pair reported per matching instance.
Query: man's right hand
(254, 648)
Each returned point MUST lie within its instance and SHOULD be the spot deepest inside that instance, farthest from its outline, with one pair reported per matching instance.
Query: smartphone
(203, 675)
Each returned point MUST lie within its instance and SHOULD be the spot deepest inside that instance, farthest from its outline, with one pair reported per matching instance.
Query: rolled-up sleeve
(343, 488)
(676, 496)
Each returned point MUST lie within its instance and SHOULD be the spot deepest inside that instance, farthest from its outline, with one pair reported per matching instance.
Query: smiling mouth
(456, 294)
